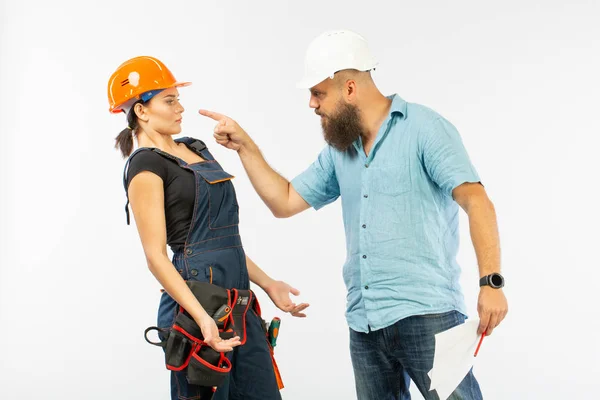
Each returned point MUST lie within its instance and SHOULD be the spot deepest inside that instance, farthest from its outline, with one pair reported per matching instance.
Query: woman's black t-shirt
(180, 190)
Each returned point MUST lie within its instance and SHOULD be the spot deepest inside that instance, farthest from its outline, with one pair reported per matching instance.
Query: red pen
(479, 345)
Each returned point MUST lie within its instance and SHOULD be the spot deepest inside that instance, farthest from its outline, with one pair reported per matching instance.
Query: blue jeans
(386, 360)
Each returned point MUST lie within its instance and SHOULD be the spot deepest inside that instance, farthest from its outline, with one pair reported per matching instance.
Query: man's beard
(343, 128)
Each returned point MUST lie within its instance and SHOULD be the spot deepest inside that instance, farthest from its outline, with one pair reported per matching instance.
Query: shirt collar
(398, 105)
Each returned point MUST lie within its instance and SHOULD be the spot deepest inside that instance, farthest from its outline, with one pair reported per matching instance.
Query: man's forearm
(485, 237)
(491, 305)
(272, 188)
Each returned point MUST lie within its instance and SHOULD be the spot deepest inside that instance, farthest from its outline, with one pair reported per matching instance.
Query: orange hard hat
(136, 77)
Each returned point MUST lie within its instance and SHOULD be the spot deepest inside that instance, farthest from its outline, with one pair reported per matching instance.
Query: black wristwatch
(494, 280)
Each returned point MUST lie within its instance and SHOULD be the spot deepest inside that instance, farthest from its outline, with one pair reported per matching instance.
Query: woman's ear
(141, 112)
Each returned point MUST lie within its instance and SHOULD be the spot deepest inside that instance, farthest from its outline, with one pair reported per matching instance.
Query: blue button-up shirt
(400, 219)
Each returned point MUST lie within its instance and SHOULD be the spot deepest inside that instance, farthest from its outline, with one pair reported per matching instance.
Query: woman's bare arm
(146, 195)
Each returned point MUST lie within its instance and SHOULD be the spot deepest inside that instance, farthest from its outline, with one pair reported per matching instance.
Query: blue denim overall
(213, 253)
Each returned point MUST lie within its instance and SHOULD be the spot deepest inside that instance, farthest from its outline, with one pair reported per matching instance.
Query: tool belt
(183, 342)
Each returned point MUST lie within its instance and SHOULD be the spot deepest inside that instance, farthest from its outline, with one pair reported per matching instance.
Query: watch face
(496, 280)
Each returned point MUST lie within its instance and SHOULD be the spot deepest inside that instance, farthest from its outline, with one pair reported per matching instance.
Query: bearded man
(402, 173)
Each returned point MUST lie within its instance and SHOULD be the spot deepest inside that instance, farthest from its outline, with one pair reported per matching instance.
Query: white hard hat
(334, 51)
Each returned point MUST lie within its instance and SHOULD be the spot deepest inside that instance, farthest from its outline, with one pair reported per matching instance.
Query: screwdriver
(274, 331)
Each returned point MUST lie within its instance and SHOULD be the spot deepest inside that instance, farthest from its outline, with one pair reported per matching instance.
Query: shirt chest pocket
(391, 180)
(222, 201)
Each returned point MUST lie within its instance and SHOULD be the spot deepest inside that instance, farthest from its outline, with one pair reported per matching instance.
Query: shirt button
(188, 251)
(364, 226)
(365, 196)
(367, 165)
(364, 256)
(367, 287)
(194, 272)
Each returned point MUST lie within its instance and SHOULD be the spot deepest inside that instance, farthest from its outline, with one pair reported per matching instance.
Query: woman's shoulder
(145, 155)
(146, 159)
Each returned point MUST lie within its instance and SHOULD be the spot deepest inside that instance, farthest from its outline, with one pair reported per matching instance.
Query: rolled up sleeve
(318, 184)
(445, 157)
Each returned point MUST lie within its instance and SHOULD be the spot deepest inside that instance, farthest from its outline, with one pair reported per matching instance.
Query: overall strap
(198, 146)
(125, 179)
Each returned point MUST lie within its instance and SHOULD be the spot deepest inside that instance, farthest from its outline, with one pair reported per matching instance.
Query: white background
(520, 80)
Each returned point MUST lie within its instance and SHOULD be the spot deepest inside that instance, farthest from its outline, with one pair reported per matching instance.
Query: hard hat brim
(309, 82)
(118, 109)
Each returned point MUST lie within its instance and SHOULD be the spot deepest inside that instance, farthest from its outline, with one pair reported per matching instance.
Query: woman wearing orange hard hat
(181, 196)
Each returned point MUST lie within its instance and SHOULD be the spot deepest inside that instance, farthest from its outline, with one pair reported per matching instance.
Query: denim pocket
(223, 207)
